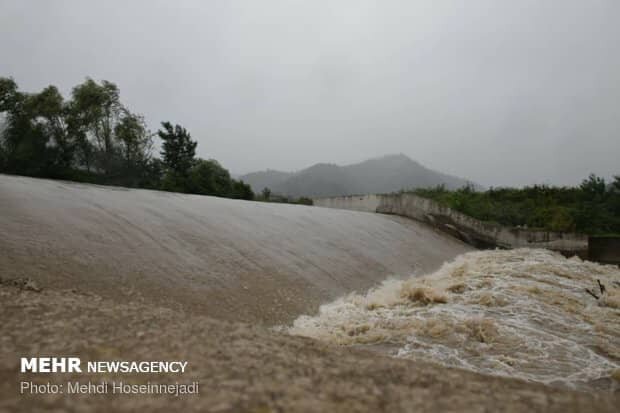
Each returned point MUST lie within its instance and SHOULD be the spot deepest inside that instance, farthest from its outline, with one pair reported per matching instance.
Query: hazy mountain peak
(395, 157)
(388, 173)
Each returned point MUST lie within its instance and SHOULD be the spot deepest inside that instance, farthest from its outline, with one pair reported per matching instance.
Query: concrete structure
(226, 258)
(475, 232)
(366, 203)
(604, 249)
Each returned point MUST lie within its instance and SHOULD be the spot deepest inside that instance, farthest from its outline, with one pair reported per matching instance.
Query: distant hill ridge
(389, 173)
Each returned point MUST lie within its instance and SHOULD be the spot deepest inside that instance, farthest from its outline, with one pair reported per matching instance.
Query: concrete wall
(604, 249)
(367, 203)
(478, 233)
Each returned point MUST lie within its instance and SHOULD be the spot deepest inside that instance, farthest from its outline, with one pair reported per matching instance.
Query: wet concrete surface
(229, 259)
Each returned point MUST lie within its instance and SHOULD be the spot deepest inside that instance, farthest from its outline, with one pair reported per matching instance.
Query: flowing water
(520, 313)
(247, 261)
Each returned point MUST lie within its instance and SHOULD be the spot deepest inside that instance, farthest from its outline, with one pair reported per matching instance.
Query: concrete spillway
(225, 258)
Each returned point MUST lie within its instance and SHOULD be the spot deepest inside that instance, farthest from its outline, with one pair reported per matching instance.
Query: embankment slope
(229, 259)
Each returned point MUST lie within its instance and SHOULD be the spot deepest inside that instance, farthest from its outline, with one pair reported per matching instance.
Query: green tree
(50, 112)
(593, 186)
(178, 151)
(561, 220)
(209, 178)
(135, 146)
(8, 94)
(152, 174)
(95, 111)
(241, 190)
(266, 194)
(34, 138)
(615, 185)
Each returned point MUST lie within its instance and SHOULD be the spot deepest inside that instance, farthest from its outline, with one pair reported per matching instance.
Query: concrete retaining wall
(366, 203)
(604, 249)
(478, 233)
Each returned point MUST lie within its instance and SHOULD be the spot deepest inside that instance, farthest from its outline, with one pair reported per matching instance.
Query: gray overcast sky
(500, 92)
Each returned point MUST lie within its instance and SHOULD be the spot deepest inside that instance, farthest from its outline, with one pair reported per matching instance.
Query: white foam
(521, 313)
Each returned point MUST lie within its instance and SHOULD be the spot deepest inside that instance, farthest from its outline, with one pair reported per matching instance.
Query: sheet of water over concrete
(230, 259)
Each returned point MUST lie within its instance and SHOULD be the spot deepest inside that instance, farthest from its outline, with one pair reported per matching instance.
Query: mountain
(265, 179)
(380, 175)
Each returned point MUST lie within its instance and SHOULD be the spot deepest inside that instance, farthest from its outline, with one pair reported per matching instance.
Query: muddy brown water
(137, 275)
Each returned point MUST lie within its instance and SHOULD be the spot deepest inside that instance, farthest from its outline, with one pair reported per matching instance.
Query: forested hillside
(591, 208)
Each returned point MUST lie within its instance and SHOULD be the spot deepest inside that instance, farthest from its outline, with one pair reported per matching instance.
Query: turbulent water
(520, 313)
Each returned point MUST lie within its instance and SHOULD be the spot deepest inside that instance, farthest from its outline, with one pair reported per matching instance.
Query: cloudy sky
(500, 92)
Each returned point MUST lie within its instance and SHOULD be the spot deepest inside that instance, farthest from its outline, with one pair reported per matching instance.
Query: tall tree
(50, 111)
(615, 185)
(209, 178)
(33, 137)
(95, 111)
(178, 152)
(8, 94)
(135, 146)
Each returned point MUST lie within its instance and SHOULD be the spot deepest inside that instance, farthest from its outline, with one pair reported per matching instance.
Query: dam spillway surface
(229, 259)
(109, 260)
